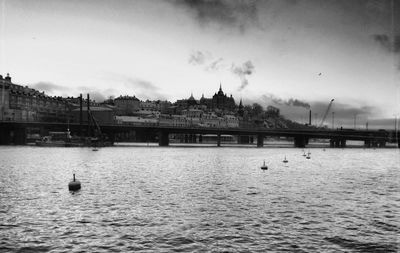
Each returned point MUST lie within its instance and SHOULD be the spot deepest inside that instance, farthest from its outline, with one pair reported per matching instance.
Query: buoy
(264, 167)
(74, 185)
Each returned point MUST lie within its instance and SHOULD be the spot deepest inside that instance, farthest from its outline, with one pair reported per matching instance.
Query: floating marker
(264, 167)
(74, 185)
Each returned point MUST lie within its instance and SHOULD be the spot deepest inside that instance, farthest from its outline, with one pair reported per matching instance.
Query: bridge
(16, 132)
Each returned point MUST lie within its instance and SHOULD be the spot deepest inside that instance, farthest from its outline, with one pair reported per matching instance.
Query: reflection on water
(199, 199)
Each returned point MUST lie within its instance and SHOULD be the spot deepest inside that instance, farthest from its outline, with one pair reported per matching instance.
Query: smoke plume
(242, 72)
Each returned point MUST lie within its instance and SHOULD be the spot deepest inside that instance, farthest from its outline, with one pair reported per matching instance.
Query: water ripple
(198, 200)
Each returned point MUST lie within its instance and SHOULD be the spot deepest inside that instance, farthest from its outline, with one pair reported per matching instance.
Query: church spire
(220, 92)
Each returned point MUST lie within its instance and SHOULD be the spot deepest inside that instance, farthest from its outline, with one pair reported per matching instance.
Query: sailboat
(308, 155)
(304, 153)
(285, 160)
(264, 167)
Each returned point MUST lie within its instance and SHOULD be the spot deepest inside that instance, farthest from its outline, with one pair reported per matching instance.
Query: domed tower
(191, 101)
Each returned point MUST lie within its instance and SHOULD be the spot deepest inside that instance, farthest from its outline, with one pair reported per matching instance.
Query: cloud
(239, 14)
(197, 58)
(96, 94)
(215, 65)
(48, 87)
(206, 60)
(144, 89)
(246, 69)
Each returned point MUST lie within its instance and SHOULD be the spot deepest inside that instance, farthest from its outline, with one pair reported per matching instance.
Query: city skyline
(261, 51)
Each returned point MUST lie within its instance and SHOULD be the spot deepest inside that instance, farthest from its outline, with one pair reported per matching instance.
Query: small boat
(285, 160)
(264, 167)
(95, 149)
(59, 139)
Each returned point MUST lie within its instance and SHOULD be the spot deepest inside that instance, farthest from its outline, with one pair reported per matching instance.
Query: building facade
(21, 103)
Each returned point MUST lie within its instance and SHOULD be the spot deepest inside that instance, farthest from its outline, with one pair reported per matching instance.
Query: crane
(326, 113)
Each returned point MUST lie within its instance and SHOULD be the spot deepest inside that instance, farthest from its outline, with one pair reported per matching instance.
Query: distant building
(272, 111)
(126, 105)
(220, 101)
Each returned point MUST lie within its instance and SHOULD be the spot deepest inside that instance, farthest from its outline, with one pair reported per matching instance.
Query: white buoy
(74, 185)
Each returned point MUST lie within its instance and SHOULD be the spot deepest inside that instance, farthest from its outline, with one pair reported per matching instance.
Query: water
(155, 199)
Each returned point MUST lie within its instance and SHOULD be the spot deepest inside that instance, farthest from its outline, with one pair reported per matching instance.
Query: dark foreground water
(154, 199)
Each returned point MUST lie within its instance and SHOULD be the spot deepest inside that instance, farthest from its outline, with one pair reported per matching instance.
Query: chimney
(309, 119)
(80, 115)
(88, 116)
(8, 78)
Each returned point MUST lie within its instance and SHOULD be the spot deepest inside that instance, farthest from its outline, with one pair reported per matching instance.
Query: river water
(199, 199)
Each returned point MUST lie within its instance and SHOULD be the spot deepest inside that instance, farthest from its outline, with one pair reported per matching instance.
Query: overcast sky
(287, 53)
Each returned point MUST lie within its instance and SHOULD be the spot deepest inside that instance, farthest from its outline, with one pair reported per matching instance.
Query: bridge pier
(200, 138)
(5, 136)
(111, 138)
(260, 140)
(219, 140)
(19, 136)
(163, 139)
(337, 143)
(300, 141)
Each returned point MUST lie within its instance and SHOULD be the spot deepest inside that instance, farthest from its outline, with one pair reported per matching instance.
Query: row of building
(21, 103)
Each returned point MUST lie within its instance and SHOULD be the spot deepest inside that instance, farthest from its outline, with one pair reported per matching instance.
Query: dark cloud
(289, 102)
(197, 58)
(345, 113)
(228, 13)
(246, 69)
(391, 44)
(48, 87)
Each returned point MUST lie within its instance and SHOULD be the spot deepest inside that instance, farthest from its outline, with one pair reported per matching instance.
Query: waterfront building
(21, 103)
(173, 120)
(136, 120)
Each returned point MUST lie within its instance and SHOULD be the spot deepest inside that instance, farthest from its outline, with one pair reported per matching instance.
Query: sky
(296, 55)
